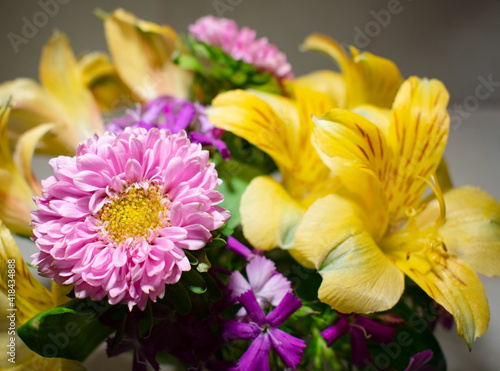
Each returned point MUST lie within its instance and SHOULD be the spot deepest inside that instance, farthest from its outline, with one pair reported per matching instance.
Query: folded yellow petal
(23, 153)
(16, 191)
(472, 228)
(31, 296)
(253, 119)
(369, 79)
(142, 53)
(101, 78)
(357, 277)
(269, 215)
(32, 106)
(373, 80)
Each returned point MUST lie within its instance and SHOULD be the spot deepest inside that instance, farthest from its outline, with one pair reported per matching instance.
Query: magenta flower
(116, 218)
(419, 361)
(263, 330)
(242, 45)
(175, 114)
(268, 286)
(360, 328)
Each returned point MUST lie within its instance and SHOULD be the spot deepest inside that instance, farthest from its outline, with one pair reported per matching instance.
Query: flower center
(135, 213)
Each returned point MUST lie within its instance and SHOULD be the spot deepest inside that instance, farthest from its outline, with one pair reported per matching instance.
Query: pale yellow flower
(365, 238)
(62, 98)
(31, 297)
(143, 54)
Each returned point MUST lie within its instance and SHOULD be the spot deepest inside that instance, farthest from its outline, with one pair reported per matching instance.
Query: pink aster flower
(242, 45)
(115, 219)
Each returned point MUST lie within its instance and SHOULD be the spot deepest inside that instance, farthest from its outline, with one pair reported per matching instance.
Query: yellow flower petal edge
(269, 215)
(61, 76)
(142, 53)
(369, 79)
(31, 296)
(327, 82)
(357, 277)
(23, 153)
(17, 184)
(472, 227)
(423, 257)
(62, 99)
(101, 78)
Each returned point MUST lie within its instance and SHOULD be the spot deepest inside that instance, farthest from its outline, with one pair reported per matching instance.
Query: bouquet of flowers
(210, 211)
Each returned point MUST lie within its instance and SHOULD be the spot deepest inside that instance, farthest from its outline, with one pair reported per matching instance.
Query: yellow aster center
(135, 213)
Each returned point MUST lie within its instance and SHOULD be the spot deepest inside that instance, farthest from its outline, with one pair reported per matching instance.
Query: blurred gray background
(457, 42)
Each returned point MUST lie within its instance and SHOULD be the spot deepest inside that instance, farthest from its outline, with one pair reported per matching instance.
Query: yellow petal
(357, 277)
(142, 54)
(373, 80)
(23, 154)
(16, 195)
(31, 106)
(379, 116)
(330, 47)
(101, 78)
(369, 79)
(61, 76)
(59, 293)
(31, 296)
(454, 285)
(327, 82)
(253, 119)
(356, 151)
(417, 135)
(308, 166)
(282, 128)
(472, 228)
(269, 215)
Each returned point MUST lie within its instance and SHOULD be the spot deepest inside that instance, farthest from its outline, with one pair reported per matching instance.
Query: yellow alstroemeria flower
(364, 239)
(365, 79)
(31, 297)
(142, 54)
(17, 182)
(62, 99)
(281, 127)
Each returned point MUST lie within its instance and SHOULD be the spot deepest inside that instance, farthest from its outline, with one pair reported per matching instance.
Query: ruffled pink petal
(75, 247)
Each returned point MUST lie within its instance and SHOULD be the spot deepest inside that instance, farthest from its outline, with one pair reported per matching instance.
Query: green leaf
(178, 296)
(193, 281)
(216, 72)
(71, 331)
(216, 242)
(192, 259)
